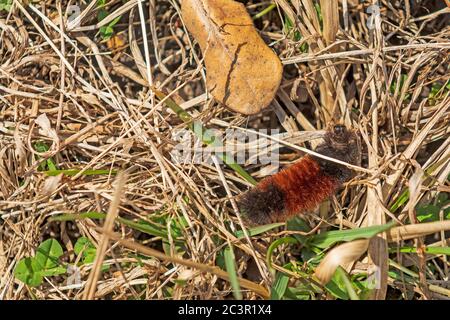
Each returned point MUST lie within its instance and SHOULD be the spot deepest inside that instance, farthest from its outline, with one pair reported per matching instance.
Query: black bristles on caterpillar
(263, 202)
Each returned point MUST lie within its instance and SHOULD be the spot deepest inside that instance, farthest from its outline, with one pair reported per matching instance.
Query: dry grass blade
(416, 230)
(113, 211)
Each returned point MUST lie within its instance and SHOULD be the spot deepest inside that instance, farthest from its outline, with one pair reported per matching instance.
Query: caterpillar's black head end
(340, 138)
(342, 144)
(339, 129)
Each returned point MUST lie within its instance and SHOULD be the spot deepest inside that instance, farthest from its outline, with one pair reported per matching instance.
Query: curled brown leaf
(339, 256)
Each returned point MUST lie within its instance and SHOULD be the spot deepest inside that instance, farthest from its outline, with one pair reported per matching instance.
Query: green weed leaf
(29, 272)
(45, 263)
(327, 239)
(48, 253)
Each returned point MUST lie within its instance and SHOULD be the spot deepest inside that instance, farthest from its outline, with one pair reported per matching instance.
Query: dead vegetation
(80, 103)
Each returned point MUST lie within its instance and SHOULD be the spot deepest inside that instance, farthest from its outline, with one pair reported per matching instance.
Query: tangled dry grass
(72, 100)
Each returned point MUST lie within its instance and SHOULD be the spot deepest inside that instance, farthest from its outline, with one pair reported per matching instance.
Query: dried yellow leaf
(242, 72)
